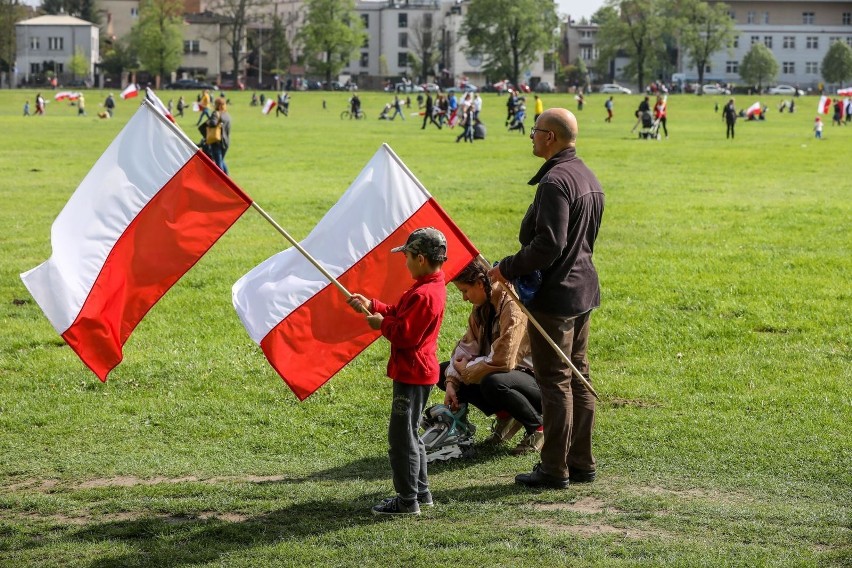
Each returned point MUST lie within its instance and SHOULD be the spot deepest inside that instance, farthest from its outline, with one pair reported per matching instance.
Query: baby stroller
(447, 434)
(650, 127)
(385, 112)
(518, 120)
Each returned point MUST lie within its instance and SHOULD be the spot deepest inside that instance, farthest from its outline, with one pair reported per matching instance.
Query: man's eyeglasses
(533, 130)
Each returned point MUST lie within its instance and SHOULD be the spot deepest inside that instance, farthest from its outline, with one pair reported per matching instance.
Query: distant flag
(66, 96)
(300, 320)
(847, 92)
(148, 210)
(754, 110)
(824, 105)
(269, 105)
(129, 92)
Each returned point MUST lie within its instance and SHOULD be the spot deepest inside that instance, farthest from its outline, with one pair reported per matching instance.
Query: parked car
(466, 89)
(430, 87)
(544, 87)
(786, 90)
(714, 90)
(190, 84)
(615, 88)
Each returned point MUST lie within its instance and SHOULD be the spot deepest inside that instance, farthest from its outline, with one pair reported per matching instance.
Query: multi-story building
(47, 43)
(400, 29)
(798, 32)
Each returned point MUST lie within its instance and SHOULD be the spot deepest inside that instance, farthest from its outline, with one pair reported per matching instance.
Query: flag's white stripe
(383, 195)
(143, 157)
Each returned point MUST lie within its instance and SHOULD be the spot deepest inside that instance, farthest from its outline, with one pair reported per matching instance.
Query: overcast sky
(578, 8)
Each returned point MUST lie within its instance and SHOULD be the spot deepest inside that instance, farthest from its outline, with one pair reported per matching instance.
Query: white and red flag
(129, 92)
(754, 110)
(269, 105)
(847, 92)
(158, 104)
(300, 320)
(824, 105)
(148, 210)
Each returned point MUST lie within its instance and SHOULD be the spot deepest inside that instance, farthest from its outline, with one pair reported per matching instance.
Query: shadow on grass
(170, 542)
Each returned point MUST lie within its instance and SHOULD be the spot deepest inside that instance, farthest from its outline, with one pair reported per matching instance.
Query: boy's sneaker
(531, 443)
(394, 506)
(502, 430)
(423, 499)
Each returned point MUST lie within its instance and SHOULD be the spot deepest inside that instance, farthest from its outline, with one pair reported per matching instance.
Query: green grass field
(721, 353)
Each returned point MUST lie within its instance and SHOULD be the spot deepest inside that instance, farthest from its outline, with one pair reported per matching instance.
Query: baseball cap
(428, 241)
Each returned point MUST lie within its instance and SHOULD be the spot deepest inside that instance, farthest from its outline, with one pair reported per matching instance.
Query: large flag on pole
(129, 92)
(824, 105)
(268, 106)
(300, 320)
(150, 207)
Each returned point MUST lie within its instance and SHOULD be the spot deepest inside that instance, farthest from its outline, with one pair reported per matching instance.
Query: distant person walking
(109, 105)
(539, 107)
(608, 106)
(660, 111)
(397, 108)
(729, 115)
(39, 102)
(429, 114)
(27, 108)
(818, 128)
(81, 105)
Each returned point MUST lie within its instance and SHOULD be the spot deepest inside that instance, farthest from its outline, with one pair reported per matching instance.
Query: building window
(766, 17)
(365, 19)
(191, 46)
(847, 19)
(755, 39)
(832, 39)
(732, 14)
(732, 67)
(427, 21)
(365, 59)
(812, 42)
(549, 61)
(807, 17)
(767, 41)
(750, 18)
(134, 12)
(366, 43)
(788, 67)
(55, 43)
(402, 59)
(34, 45)
(58, 67)
(402, 20)
(35, 67)
(789, 42)
(403, 39)
(811, 67)
(427, 39)
(586, 53)
(736, 41)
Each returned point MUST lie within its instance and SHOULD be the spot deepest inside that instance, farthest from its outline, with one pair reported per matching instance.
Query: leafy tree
(78, 64)
(119, 57)
(631, 28)
(331, 34)
(424, 49)
(157, 37)
(11, 12)
(837, 64)
(509, 34)
(279, 49)
(83, 9)
(703, 29)
(759, 66)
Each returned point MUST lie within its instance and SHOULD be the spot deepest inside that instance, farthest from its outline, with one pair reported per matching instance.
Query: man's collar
(568, 153)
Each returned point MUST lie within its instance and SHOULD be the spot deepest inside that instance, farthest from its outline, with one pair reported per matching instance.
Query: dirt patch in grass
(586, 505)
(698, 493)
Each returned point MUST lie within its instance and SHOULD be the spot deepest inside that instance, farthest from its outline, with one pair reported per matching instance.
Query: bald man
(557, 237)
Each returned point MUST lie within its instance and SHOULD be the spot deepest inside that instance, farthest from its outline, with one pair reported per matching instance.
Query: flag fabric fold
(754, 110)
(148, 210)
(300, 320)
(268, 106)
(824, 105)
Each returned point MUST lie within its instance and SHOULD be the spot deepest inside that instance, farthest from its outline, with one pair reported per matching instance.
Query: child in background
(818, 128)
(27, 108)
(412, 327)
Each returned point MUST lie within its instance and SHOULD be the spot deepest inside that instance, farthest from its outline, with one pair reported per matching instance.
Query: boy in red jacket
(412, 327)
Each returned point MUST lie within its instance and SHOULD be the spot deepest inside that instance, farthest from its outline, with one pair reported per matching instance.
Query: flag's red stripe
(320, 337)
(166, 238)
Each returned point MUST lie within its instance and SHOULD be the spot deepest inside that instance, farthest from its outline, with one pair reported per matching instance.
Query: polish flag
(824, 105)
(66, 95)
(158, 104)
(150, 207)
(300, 320)
(268, 106)
(129, 92)
(845, 92)
(754, 110)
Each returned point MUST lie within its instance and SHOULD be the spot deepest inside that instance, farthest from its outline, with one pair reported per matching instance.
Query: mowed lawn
(721, 352)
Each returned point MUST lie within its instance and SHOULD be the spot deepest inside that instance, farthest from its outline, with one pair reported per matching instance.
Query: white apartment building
(397, 28)
(47, 43)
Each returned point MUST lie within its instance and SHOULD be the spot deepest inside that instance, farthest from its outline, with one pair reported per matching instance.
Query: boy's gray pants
(406, 450)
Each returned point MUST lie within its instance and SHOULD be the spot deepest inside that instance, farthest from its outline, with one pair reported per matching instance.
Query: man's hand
(460, 363)
(496, 276)
(360, 304)
(450, 398)
(375, 321)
